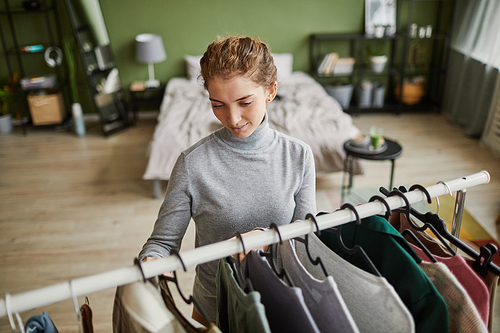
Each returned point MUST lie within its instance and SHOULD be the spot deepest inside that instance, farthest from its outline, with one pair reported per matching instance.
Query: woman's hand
(240, 256)
(168, 274)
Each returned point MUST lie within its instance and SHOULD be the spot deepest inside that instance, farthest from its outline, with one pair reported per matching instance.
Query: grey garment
(286, 310)
(230, 185)
(139, 308)
(322, 297)
(40, 324)
(238, 311)
(372, 301)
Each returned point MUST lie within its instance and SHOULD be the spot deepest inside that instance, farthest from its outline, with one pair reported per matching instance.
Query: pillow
(284, 64)
(193, 67)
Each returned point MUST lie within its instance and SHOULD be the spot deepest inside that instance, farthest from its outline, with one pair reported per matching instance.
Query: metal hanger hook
(9, 314)
(447, 187)
(9, 311)
(77, 307)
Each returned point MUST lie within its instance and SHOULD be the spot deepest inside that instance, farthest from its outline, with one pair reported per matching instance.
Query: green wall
(188, 26)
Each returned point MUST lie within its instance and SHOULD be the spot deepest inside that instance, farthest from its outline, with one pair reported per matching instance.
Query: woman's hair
(237, 55)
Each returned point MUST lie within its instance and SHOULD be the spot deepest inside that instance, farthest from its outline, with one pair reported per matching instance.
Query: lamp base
(152, 84)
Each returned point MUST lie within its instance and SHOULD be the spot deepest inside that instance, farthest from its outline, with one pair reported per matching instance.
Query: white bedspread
(303, 110)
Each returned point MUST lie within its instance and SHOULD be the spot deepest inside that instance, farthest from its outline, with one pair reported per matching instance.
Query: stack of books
(333, 65)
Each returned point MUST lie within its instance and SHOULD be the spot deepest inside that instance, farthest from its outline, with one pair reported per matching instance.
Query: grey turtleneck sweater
(227, 184)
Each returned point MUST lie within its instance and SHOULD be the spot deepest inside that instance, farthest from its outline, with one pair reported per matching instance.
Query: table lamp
(150, 49)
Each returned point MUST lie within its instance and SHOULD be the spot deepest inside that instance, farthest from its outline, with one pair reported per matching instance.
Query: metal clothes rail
(111, 279)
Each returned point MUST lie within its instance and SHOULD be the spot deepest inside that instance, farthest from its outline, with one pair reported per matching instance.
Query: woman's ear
(272, 91)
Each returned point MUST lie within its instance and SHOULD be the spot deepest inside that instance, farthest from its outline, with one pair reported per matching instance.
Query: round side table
(393, 151)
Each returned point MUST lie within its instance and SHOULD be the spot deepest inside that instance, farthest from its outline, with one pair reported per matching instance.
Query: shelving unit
(98, 63)
(14, 36)
(401, 63)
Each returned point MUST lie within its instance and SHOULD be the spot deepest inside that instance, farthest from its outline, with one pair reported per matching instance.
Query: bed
(302, 109)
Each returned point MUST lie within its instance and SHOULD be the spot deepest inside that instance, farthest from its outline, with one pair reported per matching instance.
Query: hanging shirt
(139, 308)
(463, 314)
(86, 314)
(475, 285)
(190, 325)
(322, 297)
(238, 311)
(398, 263)
(372, 301)
(286, 310)
(40, 324)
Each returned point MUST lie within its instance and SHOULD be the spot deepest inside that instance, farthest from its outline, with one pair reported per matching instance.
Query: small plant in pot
(377, 57)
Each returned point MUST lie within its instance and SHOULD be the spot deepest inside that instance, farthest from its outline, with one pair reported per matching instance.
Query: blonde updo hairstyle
(232, 56)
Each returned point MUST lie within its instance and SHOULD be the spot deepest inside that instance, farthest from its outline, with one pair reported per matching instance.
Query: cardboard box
(46, 109)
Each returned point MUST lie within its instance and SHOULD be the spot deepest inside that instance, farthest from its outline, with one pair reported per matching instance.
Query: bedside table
(149, 98)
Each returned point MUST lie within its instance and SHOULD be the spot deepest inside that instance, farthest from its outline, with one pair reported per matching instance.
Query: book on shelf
(328, 63)
(343, 66)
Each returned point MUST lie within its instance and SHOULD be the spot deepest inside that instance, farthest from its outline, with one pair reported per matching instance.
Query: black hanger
(176, 281)
(419, 244)
(138, 264)
(356, 248)
(272, 257)
(438, 227)
(410, 210)
(382, 200)
(486, 253)
(244, 282)
(305, 240)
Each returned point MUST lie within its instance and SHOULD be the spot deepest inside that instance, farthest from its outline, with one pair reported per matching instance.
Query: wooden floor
(72, 207)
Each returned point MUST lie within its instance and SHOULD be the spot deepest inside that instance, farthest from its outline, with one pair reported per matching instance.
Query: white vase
(378, 63)
(6, 123)
(379, 31)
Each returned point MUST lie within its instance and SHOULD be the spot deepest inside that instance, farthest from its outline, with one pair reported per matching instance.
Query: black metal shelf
(397, 67)
(12, 47)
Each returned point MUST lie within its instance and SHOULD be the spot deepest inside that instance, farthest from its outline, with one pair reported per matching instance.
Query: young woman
(241, 177)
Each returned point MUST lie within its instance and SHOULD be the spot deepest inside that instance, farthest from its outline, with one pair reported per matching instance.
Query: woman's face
(239, 103)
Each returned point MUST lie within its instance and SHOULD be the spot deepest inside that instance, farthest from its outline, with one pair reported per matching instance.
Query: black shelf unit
(98, 62)
(13, 48)
(397, 67)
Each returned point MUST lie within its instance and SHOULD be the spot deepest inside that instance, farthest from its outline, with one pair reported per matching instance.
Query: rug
(471, 230)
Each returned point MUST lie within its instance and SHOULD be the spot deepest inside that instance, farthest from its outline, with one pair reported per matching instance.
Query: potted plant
(377, 57)
(6, 101)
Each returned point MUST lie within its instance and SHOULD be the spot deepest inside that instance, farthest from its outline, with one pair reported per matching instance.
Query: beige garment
(139, 308)
(463, 315)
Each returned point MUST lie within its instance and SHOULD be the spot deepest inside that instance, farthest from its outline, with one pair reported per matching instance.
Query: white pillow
(193, 67)
(284, 64)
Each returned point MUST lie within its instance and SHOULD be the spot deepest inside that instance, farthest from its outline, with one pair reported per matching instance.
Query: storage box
(46, 109)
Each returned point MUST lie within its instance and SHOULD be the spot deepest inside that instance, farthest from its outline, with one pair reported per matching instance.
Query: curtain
(473, 64)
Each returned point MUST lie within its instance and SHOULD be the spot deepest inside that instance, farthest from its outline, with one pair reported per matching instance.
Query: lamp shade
(149, 48)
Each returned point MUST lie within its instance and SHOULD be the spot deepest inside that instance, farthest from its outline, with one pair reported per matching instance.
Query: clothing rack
(111, 279)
